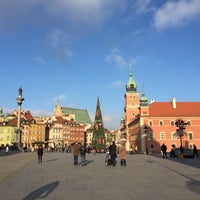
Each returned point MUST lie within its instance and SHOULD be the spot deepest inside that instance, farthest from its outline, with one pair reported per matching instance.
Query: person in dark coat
(113, 153)
(164, 150)
(83, 154)
(40, 154)
(195, 151)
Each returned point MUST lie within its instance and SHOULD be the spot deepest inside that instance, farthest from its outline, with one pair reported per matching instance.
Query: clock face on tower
(132, 99)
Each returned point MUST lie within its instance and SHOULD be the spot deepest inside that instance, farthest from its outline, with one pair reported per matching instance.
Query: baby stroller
(107, 159)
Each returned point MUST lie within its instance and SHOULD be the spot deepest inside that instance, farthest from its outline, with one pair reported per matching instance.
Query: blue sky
(74, 51)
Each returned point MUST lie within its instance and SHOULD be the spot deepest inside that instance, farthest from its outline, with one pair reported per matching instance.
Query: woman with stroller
(113, 153)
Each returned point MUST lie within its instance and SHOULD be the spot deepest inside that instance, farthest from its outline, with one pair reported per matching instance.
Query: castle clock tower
(131, 109)
(132, 99)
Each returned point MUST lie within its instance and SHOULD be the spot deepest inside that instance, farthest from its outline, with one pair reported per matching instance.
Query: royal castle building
(146, 126)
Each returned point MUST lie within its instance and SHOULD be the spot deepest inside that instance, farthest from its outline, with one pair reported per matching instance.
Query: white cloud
(114, 57)
(59, 43)
(118, 84)
(87, 11)
(61, 23)
(111, 121)
(143, 6)
(40, 60)
(117, 59)
(120, 61)
(40, 113)
(173, 14)
(73, 13)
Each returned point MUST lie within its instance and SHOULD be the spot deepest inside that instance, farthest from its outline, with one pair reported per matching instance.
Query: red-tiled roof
(12, 122)
(165, 109)
(59, 120)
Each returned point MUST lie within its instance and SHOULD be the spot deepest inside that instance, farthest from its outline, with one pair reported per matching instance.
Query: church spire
(131, 85)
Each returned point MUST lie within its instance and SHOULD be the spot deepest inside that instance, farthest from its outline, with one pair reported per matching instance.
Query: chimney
(174, 103)
(152, 100)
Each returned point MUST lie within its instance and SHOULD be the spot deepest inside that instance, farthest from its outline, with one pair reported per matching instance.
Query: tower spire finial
(143, 99)
(131, 85)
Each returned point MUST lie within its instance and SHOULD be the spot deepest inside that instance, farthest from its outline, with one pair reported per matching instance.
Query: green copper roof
(143, 99)
(131, 85)
(81, 116)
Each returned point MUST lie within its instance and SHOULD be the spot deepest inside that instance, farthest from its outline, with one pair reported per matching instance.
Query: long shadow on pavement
(192, 183)
(86, 162)
(193, 162)
(42, 192)
(51, 160)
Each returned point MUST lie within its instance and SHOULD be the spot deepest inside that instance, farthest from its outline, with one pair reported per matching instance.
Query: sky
(74, 51)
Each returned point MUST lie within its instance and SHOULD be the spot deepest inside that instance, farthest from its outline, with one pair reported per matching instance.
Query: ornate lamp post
(180, 124)
(19, 103)
(146, 136)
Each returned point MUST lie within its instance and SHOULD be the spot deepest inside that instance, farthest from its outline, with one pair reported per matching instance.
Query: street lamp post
(180, 124)
(19, 103)
(146, 136)
(85, 138)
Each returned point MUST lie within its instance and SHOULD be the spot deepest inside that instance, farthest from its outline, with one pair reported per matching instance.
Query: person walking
(195, 151)
(164, 150)
(40, 154)
(7, 149)
(113, 153)
(76, 153)
(82, 153)
(123, 154)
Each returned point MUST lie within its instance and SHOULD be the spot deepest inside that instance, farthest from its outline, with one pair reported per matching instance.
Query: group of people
(112, 151)
(173, 153)
(79, 150)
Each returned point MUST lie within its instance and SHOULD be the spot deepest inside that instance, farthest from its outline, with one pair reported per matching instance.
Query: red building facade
(147, 126)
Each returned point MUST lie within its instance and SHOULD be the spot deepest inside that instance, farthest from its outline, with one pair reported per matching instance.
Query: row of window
(56, 130)
(173, 136)
(172, 123)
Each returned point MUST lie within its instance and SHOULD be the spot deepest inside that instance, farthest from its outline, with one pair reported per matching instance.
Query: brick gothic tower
(98, 141)
(132, 104)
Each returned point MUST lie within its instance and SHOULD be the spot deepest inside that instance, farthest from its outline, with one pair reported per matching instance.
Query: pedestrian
(82, 154)
(113, 153)
(173, 151)
(136, 149)
(164, 150)
(76, 152)
(123, 154)
(40, 154)
(195, 151)
(7, 149)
